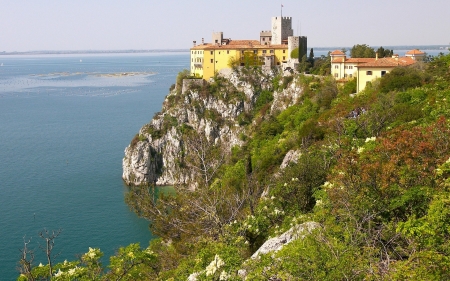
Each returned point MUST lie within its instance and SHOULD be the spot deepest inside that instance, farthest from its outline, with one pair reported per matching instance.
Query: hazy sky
(28, 25)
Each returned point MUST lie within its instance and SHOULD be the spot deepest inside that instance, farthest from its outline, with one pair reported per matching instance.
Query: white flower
(72, 271)
(91, 253)
(59, 273)
(41, 265)
(360, 150)
(224, 276)
(214, 265)
(319, 202)
(371, 139)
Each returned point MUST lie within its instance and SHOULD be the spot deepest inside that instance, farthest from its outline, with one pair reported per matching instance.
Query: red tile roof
(238, 44)
(415, 52)
(389, 62)
(354, 60)
(337, 52)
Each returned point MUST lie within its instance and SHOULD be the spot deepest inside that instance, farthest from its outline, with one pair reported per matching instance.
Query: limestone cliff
(217, 109)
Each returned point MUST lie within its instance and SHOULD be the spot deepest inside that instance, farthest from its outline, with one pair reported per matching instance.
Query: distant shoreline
(87, 52)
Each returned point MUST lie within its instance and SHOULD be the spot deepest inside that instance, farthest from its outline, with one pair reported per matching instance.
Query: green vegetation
(377, 182)
(362, 51)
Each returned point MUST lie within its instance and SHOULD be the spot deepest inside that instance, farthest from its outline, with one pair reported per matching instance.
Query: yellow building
(207, 59)
(273, 49)
(366, 70)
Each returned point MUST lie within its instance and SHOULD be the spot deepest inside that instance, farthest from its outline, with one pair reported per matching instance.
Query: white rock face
(296, 232)
(156, 159)
(291, 157)
(286, 98)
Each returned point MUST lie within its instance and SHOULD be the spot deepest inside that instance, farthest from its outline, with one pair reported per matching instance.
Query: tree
(311, 57)
(400, 79)
(304, 65)
(49, 238)
(295, 53)
(362, 51)
(203, 157)
(383, 53)
(26, 260)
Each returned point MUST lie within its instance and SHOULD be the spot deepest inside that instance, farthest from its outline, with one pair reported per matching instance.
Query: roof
(238, 44)
(415, 52)
(389, 62)
(353, 60)
(244, 42)
(337, 53)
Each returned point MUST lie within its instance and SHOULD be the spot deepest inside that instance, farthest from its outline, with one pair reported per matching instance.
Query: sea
(65, 121)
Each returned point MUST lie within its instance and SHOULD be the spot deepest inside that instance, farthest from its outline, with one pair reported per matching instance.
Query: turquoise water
(64, 124)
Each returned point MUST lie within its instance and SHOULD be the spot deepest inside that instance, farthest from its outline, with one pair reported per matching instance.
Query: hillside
(333, 186)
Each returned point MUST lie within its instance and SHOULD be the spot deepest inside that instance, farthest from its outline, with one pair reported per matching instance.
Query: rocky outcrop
(157, 154)
(286, 98)
(291, 157)
(296, 232)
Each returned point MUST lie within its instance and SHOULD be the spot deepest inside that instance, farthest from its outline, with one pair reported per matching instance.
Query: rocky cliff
(217, 110)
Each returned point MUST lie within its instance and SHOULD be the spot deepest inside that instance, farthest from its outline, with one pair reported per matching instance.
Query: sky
(36, 25)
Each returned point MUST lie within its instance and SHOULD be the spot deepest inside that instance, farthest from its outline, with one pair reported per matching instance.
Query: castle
(274, 48)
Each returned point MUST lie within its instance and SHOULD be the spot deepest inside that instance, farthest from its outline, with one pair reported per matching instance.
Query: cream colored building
(366, 70)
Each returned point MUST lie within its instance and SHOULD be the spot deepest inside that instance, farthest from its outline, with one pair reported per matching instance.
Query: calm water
(64, 124)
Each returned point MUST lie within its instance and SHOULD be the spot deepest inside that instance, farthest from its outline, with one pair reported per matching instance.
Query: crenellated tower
(281, 30)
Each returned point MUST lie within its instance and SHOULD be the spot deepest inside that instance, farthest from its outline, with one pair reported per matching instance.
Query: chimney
(195, 43)
(395, 57)
(376, 56)
(203, 41)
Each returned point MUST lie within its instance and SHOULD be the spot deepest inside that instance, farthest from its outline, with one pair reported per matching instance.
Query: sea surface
(65, 121)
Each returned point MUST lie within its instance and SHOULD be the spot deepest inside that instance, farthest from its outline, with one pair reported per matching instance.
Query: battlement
(284, 18)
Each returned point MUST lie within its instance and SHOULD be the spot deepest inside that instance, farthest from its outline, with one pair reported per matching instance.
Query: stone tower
(281, 29)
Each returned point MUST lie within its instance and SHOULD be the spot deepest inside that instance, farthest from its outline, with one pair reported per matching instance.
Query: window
(255, 52)
(336, 66)
(264, 51)
(264, 38)
(219, 53)
(336, 75)
(345, 75)
(284, 51)
(369, 72)
(212, 52)
(212, 61)
(350, 75)
(228, 52)
(284, 58)
(271, 51)
(350, 67)
(345, 67)
(383, 72)
(242, 52)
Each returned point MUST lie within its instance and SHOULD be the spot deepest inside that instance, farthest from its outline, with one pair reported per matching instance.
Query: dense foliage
(378, 182)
